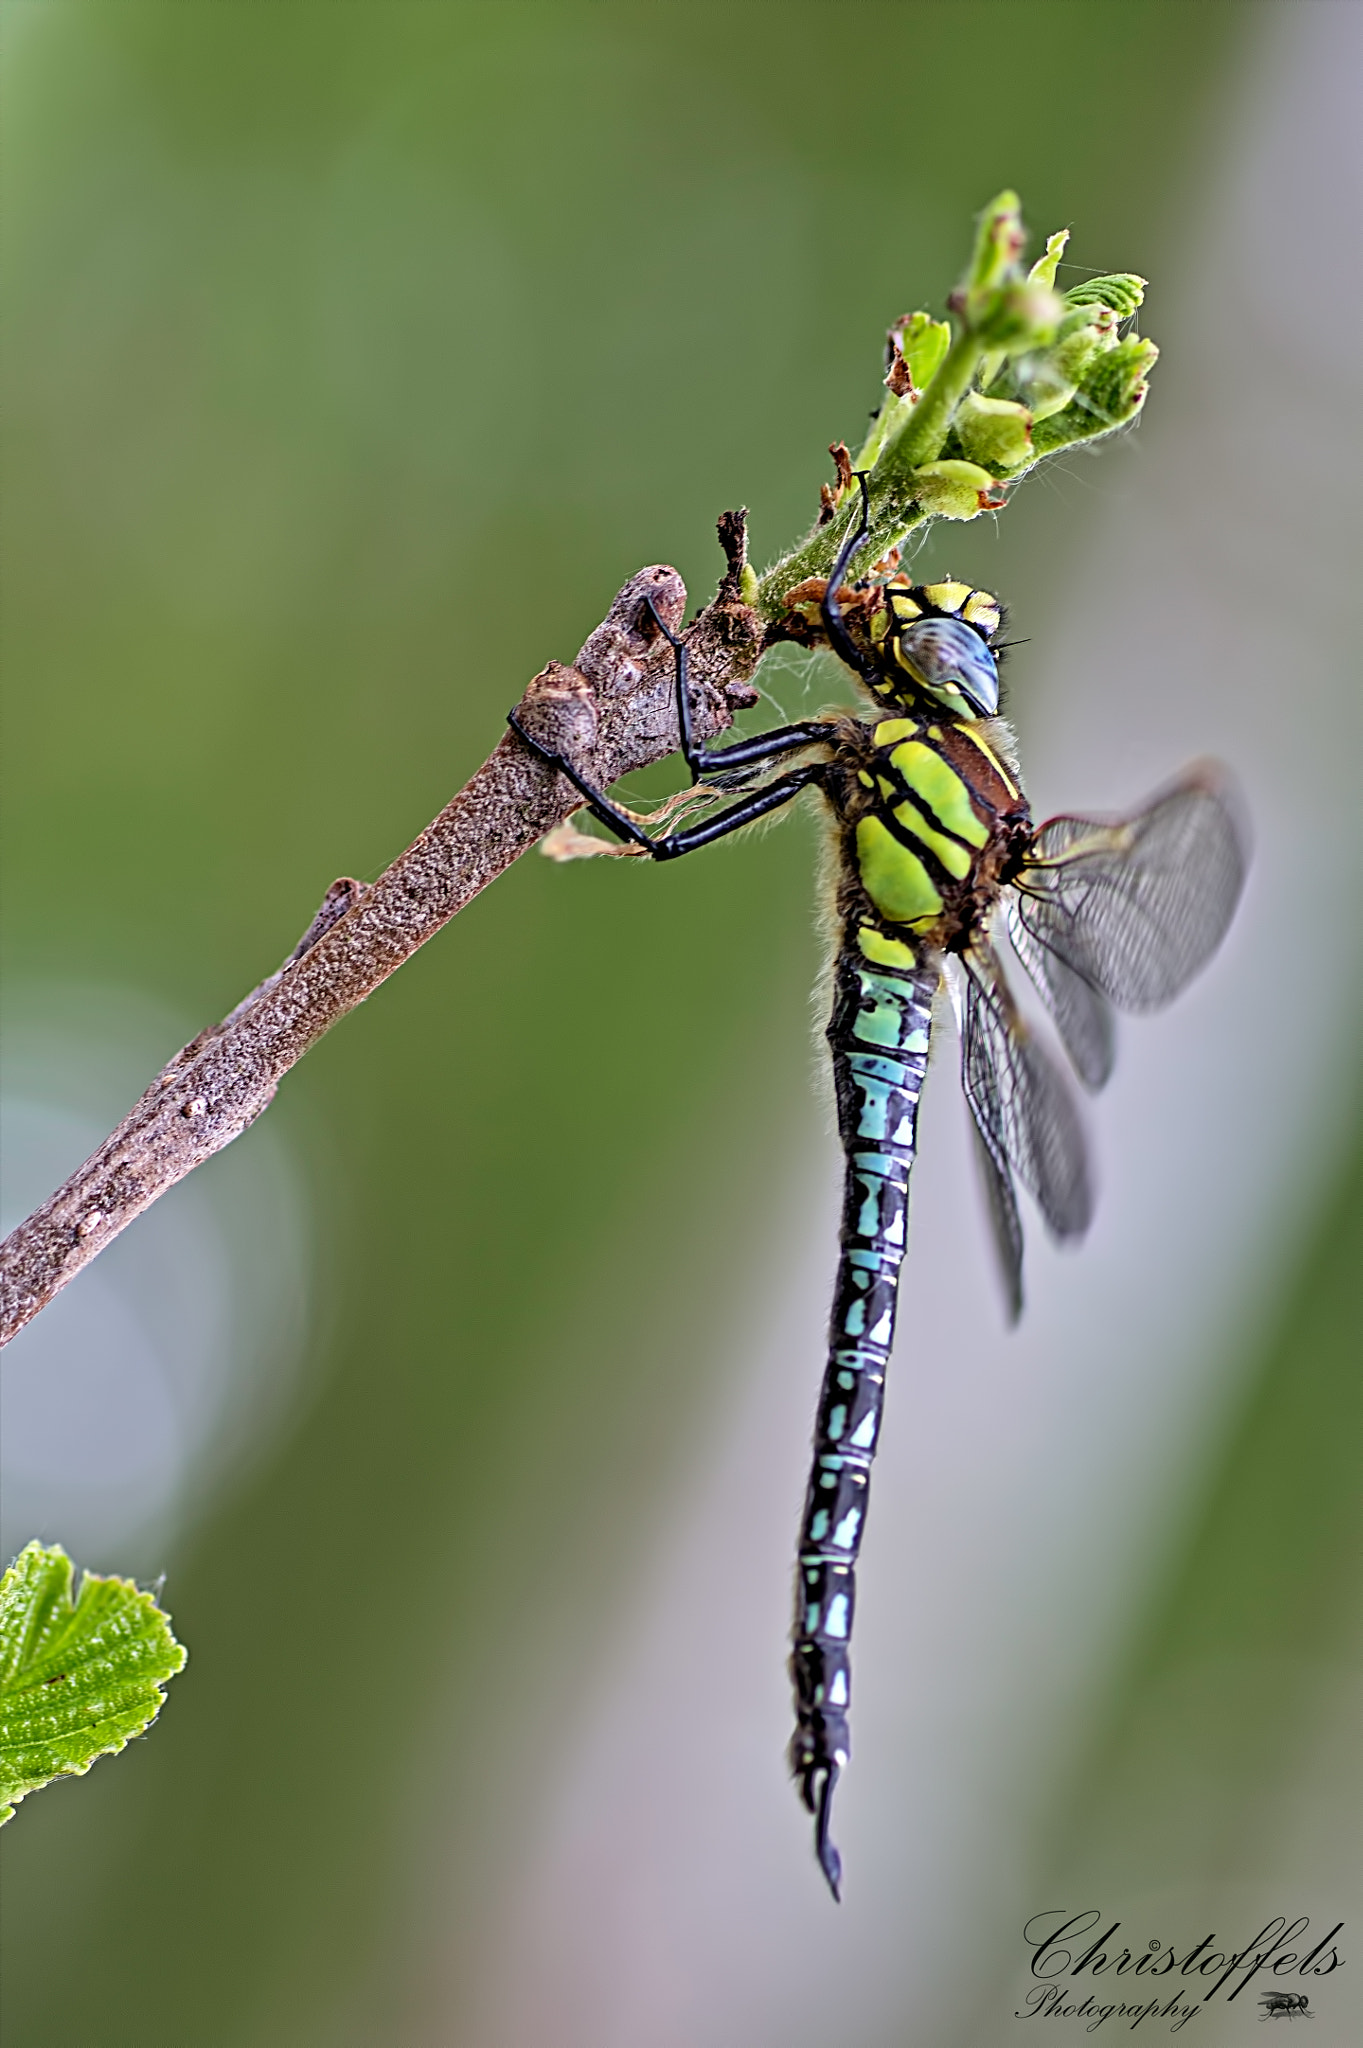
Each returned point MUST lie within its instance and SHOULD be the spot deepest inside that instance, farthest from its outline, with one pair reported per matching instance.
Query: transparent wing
(1083, 1016)
(1004, 1219)
(990, 1155)
(1023, 1109)
(1133, 908)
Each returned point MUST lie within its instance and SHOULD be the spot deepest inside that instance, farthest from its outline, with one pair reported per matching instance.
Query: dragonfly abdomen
(879, 1039)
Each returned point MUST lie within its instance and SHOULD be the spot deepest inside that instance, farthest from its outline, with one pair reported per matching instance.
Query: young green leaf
(1122, 293)
(1044, 269)
(78, 1678)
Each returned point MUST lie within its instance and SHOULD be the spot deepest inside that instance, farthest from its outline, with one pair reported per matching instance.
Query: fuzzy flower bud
(920, 342)
(1110, 392)
(955, 490)
(995, 432)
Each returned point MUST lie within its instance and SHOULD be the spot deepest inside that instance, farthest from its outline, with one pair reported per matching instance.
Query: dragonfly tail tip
(830, 1862)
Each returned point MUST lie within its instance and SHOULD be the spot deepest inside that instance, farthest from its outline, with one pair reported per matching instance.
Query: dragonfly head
(952, 663)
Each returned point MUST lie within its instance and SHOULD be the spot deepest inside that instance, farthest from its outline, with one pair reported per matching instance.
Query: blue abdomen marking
(879, 1039)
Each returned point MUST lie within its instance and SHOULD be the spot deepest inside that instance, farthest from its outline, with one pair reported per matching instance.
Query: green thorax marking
(927, 824)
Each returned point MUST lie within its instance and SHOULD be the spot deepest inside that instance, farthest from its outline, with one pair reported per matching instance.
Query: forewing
(1136, 907)
(1021, 1102)
(1082, 1014)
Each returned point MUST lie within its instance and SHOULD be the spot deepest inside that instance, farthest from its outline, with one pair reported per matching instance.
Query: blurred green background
(354, 356)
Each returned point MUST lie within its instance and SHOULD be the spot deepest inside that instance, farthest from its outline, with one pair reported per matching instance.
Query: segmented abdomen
(879, 1038)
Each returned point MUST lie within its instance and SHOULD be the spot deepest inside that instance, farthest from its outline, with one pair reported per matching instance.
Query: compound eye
(950, 662)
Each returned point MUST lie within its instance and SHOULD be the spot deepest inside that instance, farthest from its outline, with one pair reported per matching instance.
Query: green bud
(920, 344)
(1051, 377)
(1110, 392)
(923, 342)
(1001, 308)
(748, 584)
(999, 243)
(1114, 384)
(954, 490)
(995, 432)
(1018, 317)
(1121, 294)
(1095, 320)
(1044, 269)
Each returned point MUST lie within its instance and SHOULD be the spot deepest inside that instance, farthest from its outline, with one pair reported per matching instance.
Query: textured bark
(611, 713)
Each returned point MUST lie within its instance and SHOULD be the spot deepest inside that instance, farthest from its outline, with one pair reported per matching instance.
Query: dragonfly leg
(673, 844)
(688, 744)
(596, 800)
(839, 639)
(758, 805)
(764, 746)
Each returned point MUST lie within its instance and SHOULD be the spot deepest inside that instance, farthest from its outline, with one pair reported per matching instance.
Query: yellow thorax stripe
(973, 734)
(944, 792)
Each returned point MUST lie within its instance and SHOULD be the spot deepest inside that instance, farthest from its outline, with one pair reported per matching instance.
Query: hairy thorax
(932, 822)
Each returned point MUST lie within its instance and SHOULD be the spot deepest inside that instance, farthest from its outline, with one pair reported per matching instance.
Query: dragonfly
(937, 854)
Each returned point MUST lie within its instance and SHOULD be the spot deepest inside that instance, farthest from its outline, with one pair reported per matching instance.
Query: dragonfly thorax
(932, 818)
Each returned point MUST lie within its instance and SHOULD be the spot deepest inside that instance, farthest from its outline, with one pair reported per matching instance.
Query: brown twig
(612, 712)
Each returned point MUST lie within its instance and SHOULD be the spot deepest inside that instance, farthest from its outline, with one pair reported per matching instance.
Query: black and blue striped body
(878, 1034)
(927, 817)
